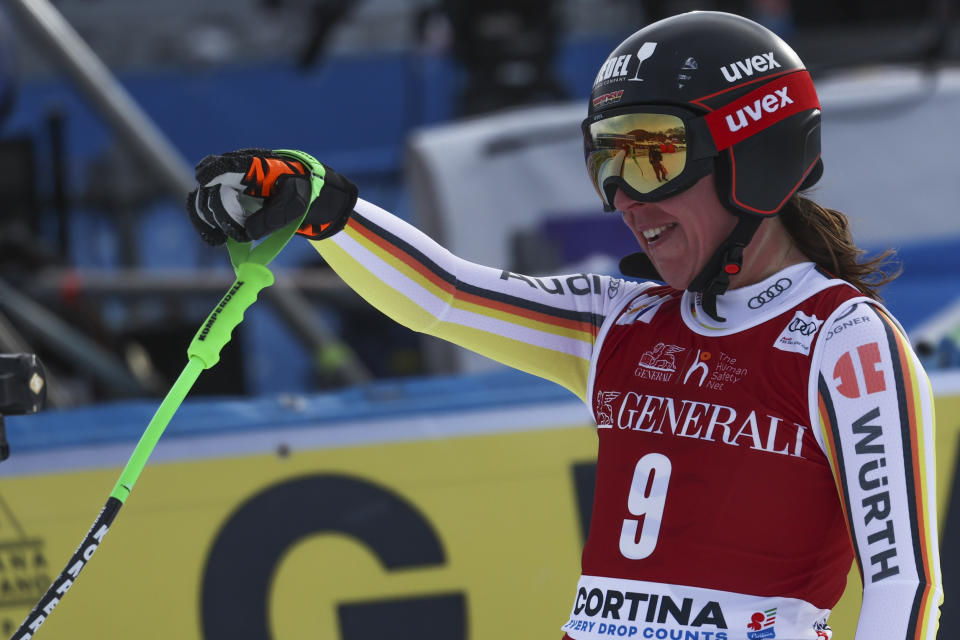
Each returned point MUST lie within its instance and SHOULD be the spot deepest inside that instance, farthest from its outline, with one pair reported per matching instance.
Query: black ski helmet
(735, 75)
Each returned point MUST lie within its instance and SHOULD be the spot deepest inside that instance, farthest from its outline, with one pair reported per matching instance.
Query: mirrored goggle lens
(646, 150)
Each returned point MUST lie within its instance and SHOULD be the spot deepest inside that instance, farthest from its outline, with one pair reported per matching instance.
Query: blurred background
(461, 117)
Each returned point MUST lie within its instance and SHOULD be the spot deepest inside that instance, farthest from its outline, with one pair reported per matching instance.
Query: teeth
(651, 234)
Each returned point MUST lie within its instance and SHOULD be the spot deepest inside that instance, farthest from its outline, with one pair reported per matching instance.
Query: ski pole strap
(270, 246)
(250, 264)
(245, 253)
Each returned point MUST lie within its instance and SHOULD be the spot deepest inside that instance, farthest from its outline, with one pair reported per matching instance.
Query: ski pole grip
(216, 331)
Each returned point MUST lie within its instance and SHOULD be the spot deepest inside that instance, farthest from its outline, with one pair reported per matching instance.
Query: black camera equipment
(23, 389)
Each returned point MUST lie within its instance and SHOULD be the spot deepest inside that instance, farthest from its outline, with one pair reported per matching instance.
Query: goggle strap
(700, 142)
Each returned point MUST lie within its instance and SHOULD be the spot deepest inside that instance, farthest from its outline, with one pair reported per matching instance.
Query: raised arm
(546, 325)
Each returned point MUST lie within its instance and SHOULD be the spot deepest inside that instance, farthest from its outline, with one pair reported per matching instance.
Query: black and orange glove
(248, 194)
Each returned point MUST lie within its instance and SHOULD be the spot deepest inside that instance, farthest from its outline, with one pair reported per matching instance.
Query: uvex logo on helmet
(769, 103)
(748, 66)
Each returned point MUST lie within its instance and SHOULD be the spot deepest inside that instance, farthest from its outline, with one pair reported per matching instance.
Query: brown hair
(823, 235)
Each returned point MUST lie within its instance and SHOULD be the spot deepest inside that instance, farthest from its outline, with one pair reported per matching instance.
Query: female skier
(762, 419)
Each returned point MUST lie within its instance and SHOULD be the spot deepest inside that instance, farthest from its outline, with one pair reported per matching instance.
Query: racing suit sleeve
(877, 428)
(544, 325)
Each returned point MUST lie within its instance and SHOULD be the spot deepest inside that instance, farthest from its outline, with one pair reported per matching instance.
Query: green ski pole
(250, 265)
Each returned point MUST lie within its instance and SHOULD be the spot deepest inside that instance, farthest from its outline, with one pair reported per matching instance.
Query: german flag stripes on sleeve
(544, 325)
(876, 416)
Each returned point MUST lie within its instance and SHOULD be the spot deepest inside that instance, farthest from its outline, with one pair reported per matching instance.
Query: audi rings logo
(803, 328)
(769, 293)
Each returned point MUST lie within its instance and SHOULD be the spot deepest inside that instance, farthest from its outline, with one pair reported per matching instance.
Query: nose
(622, 202)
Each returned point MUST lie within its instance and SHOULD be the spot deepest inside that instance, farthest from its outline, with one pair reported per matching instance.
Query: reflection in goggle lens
(647, 150)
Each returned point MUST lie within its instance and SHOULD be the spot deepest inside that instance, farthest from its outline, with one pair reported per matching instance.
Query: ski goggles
(653, 152)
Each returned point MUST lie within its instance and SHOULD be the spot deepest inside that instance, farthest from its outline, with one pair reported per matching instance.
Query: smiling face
(679, 233)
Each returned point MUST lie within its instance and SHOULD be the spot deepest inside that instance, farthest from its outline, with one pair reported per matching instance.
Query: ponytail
(823, 235)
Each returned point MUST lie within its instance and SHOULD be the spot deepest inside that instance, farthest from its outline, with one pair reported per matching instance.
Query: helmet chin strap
(714, 278)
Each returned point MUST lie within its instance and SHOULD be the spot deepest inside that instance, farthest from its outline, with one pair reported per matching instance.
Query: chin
(673, 280)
